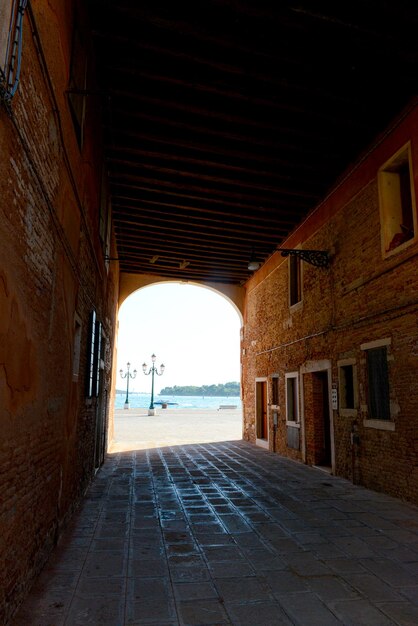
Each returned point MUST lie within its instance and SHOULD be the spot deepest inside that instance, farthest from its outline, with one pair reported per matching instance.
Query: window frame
(78, 329)
(344, 410)
(77, 81)
(380, 423)
(387, 201)
(275, 392)
(292, 376)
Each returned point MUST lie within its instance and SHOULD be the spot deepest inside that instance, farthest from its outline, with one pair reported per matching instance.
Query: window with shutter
(378, 383)
(11, 28)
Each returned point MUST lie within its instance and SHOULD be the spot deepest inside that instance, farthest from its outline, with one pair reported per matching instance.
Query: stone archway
(132, 282)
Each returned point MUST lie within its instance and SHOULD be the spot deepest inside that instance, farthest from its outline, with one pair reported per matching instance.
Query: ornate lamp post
(127, 375)
(152, 370)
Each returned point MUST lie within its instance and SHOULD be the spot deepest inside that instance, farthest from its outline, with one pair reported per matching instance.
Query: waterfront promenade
(135, 429)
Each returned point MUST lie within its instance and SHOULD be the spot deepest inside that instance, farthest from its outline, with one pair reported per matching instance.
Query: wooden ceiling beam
(123, 214)
(251, 215)
(220, 250)
(210, 192)
(286, 130)
(296, 206)
(131, 154)
(225, 151)
(176, 228)
(326, 109)
(189, 270)
(156, 210)
(129, 165)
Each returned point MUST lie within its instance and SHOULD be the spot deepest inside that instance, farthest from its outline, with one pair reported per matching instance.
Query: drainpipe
(274, 430)
(355, 443)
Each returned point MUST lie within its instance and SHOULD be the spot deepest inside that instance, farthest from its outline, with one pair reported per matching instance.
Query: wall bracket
(319, 258)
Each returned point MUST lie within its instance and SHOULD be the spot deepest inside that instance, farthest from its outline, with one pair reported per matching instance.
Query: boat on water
(167, 403)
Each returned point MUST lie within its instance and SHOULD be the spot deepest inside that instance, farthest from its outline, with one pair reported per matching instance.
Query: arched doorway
(195, 331)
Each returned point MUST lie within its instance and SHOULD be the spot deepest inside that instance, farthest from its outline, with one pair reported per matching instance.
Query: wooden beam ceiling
(226, 122)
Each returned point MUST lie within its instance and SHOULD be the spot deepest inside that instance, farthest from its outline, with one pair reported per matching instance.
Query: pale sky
(192, 330)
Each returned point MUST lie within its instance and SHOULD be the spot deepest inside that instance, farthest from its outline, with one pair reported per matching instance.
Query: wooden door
(262, 425)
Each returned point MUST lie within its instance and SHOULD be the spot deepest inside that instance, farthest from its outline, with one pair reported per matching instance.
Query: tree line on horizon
(226, 389)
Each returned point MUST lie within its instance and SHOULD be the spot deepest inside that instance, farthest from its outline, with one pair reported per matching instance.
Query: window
(295, 280)
(11, 27)
(93, 356)
(378, 383)
(347, 378)
(292, 397)
(76, 347)
(275, 390)
(78, 84)
(397, 201)
(105, 216)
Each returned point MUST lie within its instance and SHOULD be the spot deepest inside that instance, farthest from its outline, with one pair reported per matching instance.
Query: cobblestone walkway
(227, 533)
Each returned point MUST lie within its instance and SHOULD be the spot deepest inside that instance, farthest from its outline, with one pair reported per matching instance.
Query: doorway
(317, 418)
(261, 412)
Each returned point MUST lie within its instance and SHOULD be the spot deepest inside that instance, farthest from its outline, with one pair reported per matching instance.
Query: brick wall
(51, 269)
(362, 297)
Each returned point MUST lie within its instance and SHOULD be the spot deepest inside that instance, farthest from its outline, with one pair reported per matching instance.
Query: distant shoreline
(175, 395)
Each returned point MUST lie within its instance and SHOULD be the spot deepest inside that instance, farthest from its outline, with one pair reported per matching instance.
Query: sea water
(142, 401)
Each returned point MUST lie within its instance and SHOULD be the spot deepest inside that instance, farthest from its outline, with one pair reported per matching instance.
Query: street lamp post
(127, 375)
(152, 370)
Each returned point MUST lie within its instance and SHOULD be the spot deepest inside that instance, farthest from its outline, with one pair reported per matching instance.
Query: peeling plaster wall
(51, 269)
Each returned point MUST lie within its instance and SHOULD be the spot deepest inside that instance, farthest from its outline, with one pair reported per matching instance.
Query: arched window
(11, 23)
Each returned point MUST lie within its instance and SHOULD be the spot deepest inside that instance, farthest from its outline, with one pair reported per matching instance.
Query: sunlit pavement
(136, 430)
(226, 533)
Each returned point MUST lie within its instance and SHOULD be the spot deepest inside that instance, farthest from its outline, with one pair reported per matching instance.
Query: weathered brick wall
(361, 298)
(51, 267)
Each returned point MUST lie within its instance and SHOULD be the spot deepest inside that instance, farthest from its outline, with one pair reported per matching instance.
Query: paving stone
(353, 546)
(242, 589)
(195, 591)
(234, 523)
(305, 608)
(110, 563)
(222, 553)
(202, 613)
(235, 569)
(360, 613)
(330, 588)
(106, 611)
(258, 614)
(285, 581)
(390, 572)
(401, 612)
(306, 564)
(373, 587)
(263, 560)
(101, 587)
(143, 568)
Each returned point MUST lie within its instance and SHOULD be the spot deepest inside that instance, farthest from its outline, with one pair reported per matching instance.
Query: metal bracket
(319, 258)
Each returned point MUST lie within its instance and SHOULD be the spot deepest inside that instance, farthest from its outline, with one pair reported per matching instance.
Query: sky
(194, 331)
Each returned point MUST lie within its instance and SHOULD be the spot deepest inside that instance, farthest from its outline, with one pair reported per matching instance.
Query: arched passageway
(195, 331)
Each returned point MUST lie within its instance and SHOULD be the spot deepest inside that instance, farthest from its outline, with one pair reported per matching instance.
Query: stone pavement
(228, 533)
